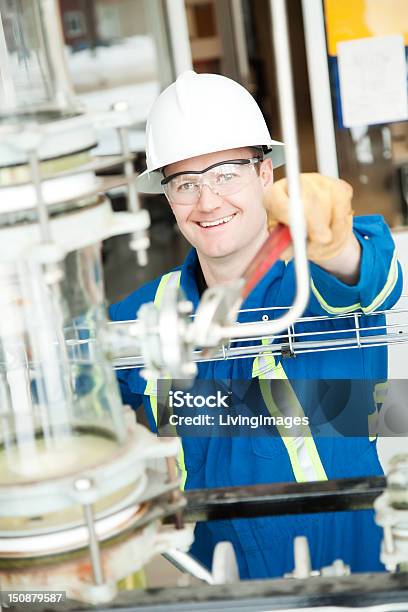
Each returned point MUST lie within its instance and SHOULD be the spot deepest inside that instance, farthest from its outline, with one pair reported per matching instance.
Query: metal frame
(279, 499)
(379, 592)
(291, 342)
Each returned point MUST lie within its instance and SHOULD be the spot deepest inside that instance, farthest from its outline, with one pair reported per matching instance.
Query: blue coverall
(264, 546)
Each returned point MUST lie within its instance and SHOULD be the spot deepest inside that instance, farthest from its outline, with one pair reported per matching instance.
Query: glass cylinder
(60, 408)
(33, 73)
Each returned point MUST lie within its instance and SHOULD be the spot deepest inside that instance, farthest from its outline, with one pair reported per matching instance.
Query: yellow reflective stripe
(300, 464)
(373, 425)
(151, 385)
(390, 283)
(302, 450)
(319, 470)
(388, 287)
(380, 392)
(258, 369)
(182, 468)
(170, 277)
(332, 309)
(288, 442)
(180, 458)
(137, 580)
(153, 403)
(379, 396)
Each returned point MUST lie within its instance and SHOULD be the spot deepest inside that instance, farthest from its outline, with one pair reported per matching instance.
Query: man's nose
(208, 200)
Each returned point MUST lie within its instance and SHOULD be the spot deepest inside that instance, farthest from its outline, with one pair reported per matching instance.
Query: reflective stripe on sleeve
(390, 283)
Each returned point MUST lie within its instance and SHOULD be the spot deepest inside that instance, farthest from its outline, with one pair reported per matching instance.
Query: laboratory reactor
(87, 495)
(76, 473)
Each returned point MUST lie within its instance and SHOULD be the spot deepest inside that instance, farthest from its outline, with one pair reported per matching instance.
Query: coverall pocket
(268, 446)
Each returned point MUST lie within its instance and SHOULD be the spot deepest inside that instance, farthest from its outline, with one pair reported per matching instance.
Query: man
(209, 150)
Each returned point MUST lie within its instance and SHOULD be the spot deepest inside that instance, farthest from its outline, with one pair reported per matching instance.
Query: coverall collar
(257, 296)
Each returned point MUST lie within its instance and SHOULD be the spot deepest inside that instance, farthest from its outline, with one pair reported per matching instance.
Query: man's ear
(266, 173)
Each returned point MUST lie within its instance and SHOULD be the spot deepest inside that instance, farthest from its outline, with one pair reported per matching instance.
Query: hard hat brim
(150, 181)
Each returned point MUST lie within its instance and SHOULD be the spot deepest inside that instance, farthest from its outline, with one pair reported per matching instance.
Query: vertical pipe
(139, 241)
(85, 485)
(93, 545)
(288, 119)
(41, 205)
(133, 196)
(54, 45)
(240, 42)
(296, 213)
(179, 38)
(156, 27)
(319, 84)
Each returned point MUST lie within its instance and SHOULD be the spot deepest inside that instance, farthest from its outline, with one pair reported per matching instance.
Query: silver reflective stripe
(171, 279)
(301, 448)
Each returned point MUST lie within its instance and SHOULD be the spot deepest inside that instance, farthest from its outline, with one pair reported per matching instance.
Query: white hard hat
(198, 114)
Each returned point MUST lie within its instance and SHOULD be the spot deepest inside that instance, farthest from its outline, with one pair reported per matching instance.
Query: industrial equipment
(84, 490)
(75, 473)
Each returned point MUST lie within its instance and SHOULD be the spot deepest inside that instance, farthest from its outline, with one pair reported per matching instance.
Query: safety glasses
(224, 179)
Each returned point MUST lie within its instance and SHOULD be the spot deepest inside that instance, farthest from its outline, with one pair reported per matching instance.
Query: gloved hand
(327, 208)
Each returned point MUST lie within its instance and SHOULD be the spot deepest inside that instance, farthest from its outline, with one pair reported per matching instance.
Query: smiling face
(221, 226)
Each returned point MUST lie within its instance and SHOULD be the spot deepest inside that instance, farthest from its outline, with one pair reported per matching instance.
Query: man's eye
(186, 187)
(225, 178)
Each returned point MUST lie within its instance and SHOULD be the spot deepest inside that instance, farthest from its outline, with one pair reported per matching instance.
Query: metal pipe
(319, 85)
(240, 40)
(93, 545)
(43, 217)
(134, 200)
(186, 563)
(139, 238)
(179, 37)
(296, 216)
(86, 485)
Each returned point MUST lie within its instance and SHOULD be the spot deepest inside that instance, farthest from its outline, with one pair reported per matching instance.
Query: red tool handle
(279, 240)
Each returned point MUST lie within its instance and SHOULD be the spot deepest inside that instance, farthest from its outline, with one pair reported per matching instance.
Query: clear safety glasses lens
(223, 180)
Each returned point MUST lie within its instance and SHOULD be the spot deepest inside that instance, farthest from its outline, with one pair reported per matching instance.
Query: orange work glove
(327, 209)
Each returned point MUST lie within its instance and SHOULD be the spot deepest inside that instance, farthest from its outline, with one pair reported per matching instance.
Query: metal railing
(355, 330)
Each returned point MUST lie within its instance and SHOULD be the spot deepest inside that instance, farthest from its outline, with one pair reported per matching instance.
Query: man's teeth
(217, 222)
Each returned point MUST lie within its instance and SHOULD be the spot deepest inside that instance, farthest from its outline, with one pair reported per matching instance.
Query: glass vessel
(33, 73)
(60, 409)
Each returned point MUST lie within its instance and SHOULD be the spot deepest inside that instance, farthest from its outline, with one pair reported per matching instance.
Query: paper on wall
(373, 80)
